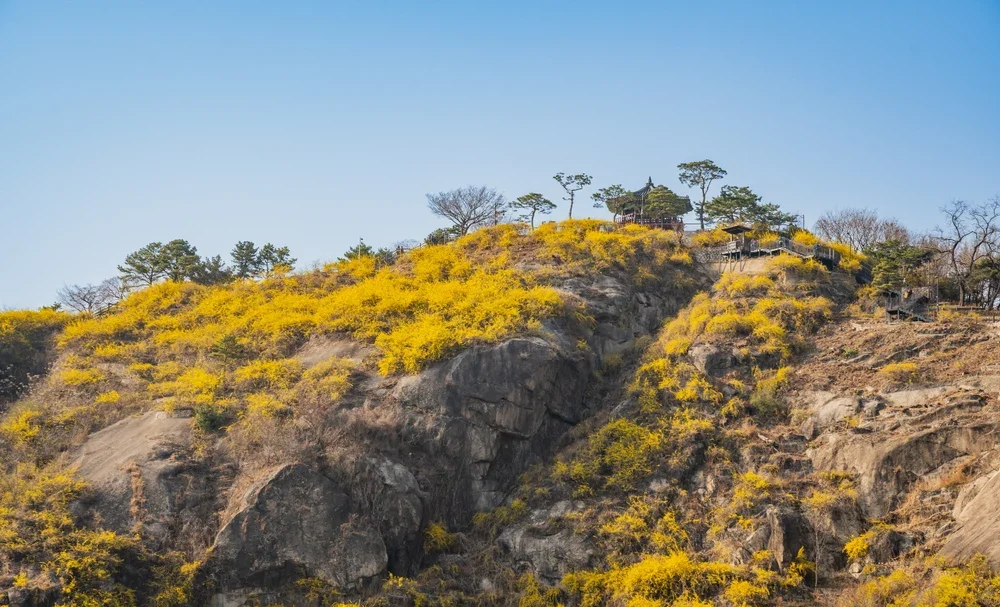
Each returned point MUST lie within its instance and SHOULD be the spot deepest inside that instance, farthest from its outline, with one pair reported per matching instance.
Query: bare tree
(861, 229)
(469, 207)
(971, 234)
(92, 299)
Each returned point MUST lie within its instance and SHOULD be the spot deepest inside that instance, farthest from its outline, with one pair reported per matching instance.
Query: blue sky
(311, 124)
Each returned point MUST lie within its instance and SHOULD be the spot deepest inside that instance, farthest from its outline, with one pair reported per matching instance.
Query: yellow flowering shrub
(646, 524)
(437, 538)
(112, 351)
(734, 284)
(196, 385)
(174, 581)
(38, 528)
(805, 238)
(24, 337)
(656, 577)
(80, 377)
(850, 260)
(973, 584)
(327, 380)
(22, 425)
(900, 372)
(742, 593)
(112, 396)
(438, 299)
(710, 238)
(794, 266)
(264, 405)
(273, 374)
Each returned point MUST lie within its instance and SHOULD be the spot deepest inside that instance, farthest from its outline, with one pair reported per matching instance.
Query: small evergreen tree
(211, 271)
(531, 204)
(700, 174)
(271, 257)
(228, 348)
(359, 250)
(180, 259)
(245, 260)
(441, 236)
(613, 198)
(572, 184)
(662, 202)
(145, 266)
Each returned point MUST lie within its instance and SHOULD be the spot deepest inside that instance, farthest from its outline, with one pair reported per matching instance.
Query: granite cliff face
(396, 454)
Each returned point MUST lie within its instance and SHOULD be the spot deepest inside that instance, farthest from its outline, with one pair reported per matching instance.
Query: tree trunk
(571, 205)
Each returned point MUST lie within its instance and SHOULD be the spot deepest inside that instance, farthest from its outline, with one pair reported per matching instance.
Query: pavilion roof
(737, 228)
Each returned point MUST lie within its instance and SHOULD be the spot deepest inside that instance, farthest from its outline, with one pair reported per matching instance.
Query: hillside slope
(178, 443)
(570, 416)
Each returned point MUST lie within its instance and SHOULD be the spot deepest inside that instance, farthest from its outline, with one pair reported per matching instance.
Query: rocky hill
(570, 416)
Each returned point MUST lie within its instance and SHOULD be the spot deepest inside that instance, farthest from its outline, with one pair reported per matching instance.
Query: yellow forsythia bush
(900, 373)
(270, 373)
(80, 377)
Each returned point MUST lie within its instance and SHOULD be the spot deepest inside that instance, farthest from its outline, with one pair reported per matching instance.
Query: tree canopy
(861, 229)
(662, 202)
(572, 184)
(531, 204)
(613, 198)
(895, 262)
(178, 260)
(700, 174)
(469, 207)
(740, 204)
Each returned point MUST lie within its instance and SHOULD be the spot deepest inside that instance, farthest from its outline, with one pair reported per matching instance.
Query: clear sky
(311, 124)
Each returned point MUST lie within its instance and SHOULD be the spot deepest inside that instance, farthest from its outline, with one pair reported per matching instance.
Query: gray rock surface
(499, 408)
(920, 435)
(789, 532)
(826, 409)
(296, 522)
(979, 525)
(547, 549)
(141, 474)
(711, 359)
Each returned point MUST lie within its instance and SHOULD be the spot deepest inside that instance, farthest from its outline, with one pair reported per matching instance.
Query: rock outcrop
(498, 409)
(295, 522)
(545, 547)
(142, 477)
(915, 437)
(978, 531)
(450, 441)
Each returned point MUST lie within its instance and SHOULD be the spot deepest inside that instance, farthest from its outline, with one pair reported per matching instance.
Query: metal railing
(752, 246)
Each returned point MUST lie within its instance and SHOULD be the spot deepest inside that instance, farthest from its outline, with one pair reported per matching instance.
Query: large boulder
(497, 410)
(832, 528)
(295, 522)
(143, 478)
(789, 532)
(621, 314)
(888, 465)
(402, 517)
(825, 409)
(546, 547)
(710, 359)
(978, 530)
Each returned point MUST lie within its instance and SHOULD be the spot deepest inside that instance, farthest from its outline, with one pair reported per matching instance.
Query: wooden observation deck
(741, 247)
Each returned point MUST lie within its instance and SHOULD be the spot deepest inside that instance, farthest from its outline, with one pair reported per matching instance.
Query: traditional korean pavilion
(632, 211)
